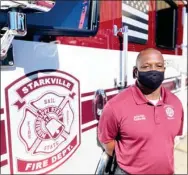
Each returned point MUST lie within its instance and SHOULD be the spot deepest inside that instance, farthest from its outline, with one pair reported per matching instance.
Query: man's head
(149, 69)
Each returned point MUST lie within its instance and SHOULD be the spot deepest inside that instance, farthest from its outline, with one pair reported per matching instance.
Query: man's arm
(109, 147)
(181, 126)
(108, 129)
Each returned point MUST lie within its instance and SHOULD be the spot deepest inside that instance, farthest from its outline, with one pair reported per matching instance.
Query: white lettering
(25, 90)
(36, 84)
(30, 85)
(139, 117)
(47, 80)
(57, 81)
(41, 82)
(36, 166)
(68, 85)
(53, 80)
(64, 152)
(60, 155)
(54, 159)
(45, 163)
(69, 148)
(64, 83)
(33, 166)
(29, 165)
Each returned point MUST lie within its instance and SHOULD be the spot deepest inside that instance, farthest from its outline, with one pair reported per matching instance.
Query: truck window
(166, 24)
(66, 14)
(67, 17)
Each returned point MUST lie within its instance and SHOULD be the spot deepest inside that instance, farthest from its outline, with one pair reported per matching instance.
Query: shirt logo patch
(169, 112)
(139, 117)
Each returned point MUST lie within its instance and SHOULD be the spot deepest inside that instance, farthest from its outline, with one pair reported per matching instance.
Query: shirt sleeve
(181, 126)
(108, 125)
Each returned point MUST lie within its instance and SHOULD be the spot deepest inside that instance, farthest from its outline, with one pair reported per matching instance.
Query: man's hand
(109, 147)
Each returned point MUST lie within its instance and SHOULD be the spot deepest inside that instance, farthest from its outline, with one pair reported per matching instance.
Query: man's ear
(135, 72)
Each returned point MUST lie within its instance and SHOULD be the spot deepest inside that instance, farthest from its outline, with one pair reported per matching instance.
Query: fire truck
(61, 61)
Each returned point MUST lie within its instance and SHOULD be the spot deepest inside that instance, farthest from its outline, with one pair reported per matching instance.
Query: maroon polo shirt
(147, 132)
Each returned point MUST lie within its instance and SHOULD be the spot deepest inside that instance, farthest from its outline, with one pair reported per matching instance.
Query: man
(147, 117)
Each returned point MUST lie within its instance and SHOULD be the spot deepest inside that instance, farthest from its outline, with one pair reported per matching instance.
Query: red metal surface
(3, 163)
(111, 14)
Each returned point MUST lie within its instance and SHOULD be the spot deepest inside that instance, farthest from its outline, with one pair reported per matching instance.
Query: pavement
(180, 156)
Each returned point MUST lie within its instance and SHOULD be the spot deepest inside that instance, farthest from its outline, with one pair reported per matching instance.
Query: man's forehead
(151, 55)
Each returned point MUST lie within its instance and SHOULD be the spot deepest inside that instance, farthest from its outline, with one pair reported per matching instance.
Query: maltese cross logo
(43, 121)
(52, 123)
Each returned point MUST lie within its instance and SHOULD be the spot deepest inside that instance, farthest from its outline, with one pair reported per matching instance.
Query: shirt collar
(141, 99)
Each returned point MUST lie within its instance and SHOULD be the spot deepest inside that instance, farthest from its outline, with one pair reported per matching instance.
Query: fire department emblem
(43, 121)
(51, 123)
(169, 111)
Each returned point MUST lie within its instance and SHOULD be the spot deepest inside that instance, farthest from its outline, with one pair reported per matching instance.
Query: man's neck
(150, 94)
(154, 95)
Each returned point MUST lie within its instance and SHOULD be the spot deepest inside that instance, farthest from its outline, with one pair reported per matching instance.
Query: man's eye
(145, 66)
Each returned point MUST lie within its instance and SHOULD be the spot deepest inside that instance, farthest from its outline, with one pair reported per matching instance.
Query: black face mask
(151, 79)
